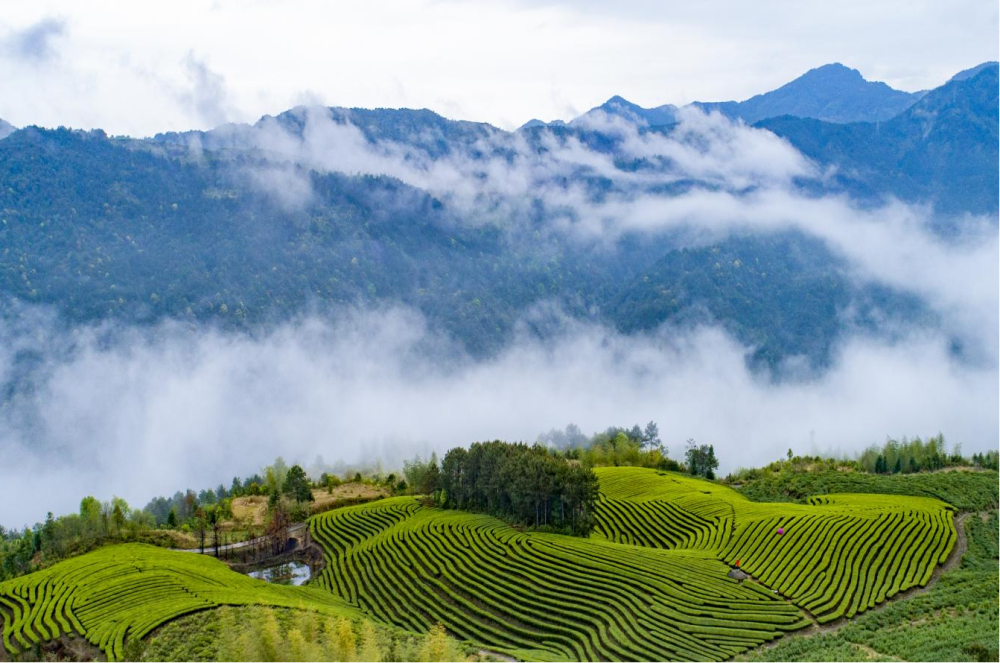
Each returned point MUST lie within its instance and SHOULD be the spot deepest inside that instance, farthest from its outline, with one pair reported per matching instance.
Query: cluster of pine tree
(909, 456)
(527, 485)
(988, 461)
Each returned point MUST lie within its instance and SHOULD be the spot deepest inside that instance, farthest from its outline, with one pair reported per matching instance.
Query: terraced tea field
(649, 584)
(654, 588)
(837, 556)
(125, 591)
(541, 596)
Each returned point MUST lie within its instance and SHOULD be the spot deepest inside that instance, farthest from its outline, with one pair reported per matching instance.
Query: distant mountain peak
(942, 150)
(833, 69)
(618, 100)
(837, 75)
(622, 107)
(973, 71)
(832, 92)
(533, 122)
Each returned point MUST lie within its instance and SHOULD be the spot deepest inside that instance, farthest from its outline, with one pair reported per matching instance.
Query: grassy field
(123, 592)
(650, 583)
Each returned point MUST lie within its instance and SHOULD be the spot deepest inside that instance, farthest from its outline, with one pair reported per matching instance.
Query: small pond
(289, 573)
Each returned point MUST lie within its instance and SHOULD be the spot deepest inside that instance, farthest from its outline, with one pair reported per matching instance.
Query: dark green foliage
(95, 525)
(422, 478)
(297, 485)
(522, 484)
(111, 229)
(651, 436)
(16, 552)
(773, 291)
(988, 461)
(180, 508)
(972, 491)
(701, 460)
(895, 456)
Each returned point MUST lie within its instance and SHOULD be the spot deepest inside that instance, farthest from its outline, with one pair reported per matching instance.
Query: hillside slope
(838, 555)
(652, 583)
(541, 596)
(105, 229)
(118, 593)
(942, 150)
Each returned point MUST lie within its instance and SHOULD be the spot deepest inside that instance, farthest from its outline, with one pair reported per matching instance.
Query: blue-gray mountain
(102, 228)
(654, 117)
(832, 93)
(942, 150)
(141, 230)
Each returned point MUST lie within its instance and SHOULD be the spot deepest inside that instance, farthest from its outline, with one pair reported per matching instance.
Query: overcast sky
(138, 68)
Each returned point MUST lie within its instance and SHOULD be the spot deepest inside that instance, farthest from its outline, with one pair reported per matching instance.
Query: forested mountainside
(942, 150)
(103, 229)
(179, 226)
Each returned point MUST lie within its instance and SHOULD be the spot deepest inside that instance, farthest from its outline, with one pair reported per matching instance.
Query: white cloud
(138, 413)
(208, 96)
(503, 62)
(34, 43)
(706, 148)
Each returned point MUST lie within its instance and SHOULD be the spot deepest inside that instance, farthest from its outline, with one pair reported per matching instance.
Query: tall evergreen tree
(297, 485)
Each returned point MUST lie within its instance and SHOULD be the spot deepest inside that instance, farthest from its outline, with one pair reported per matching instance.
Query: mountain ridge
(150, 229)
(832, 92)
(942, 150)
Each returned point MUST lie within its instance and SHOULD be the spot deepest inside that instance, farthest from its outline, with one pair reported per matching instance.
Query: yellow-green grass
(121, 592)
(541, 596)
(837, 556)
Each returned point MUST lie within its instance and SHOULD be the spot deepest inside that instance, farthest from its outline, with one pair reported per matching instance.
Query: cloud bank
(723, 177)
(137, 413)
(34, 43)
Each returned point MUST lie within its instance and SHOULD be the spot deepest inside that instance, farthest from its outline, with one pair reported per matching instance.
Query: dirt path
(953, 560)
